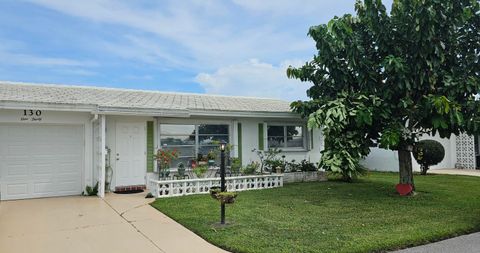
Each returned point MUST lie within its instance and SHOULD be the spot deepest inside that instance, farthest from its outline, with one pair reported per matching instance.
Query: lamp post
(223, 144)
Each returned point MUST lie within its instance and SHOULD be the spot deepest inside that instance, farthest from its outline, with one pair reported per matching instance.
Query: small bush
(251, 168)
(428, 153)
(91, 191)
(200, 170)
(272, 164)
(236, 165)
(307, 166)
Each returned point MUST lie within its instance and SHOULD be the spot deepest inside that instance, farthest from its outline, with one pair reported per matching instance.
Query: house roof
(127, 100)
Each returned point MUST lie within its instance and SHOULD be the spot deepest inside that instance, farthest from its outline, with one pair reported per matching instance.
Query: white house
(54, 138)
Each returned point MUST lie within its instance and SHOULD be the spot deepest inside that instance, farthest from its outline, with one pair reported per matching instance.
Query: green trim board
(150, 146)
(311, 140)
(260, 137)
(239, 132)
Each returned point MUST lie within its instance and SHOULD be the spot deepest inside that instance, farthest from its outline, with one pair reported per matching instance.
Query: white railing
(172, 188)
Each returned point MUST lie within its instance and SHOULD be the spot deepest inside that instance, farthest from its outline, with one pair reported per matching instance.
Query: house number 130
(32, 112)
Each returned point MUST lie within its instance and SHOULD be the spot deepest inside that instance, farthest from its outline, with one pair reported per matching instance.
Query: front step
(130, 188)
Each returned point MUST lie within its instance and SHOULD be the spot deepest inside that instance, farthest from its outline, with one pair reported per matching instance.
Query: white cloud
(256, 79)
(199, 35)
(292, 8)
(33, 60)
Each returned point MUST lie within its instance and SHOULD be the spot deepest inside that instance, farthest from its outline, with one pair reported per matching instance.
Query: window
(192, 140)
(289, 136)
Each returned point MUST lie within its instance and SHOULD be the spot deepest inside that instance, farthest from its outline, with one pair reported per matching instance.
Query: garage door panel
(15, 169)
(68, 186)
(41, 160)
(18, 148)
(39, 169)
(43, 187)
(68, 170)
(18, 189)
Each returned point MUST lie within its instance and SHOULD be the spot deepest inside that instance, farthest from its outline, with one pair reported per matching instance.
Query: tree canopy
(387, 78)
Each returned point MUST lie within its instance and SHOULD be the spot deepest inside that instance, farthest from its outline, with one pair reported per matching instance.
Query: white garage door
(40, 160)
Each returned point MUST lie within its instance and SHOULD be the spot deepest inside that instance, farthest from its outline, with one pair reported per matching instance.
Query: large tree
(388, 78)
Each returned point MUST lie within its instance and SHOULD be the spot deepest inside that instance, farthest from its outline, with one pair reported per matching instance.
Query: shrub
(200, 170)
(251, 168)
(292, 166)
(91, 191)
(272, 164)
(428, 153)
(236, 165)
(307, 166)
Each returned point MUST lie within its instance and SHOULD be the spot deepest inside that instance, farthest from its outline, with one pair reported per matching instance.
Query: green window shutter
(150, 146)
(311, 139)
(260, 136)
(239, 129)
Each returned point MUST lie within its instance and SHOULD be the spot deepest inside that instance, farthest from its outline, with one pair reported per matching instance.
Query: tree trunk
(423, 169)
(405, 167)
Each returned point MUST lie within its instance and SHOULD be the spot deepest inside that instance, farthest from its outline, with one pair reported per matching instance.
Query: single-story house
(55, 139)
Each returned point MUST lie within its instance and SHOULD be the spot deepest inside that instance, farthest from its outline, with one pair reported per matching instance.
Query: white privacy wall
(387, 160)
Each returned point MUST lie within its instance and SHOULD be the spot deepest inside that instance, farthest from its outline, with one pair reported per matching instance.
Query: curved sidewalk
(166, 234)
(462, 244)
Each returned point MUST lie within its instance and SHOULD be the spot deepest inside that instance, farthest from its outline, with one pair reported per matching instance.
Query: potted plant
(211, 156)
(227, 197)
(279, 170)
(202, 159)
(181, 169)
(214, 191)
(200, 170)
(164, 158)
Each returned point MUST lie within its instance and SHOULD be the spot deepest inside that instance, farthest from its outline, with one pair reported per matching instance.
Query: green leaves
(388, 78)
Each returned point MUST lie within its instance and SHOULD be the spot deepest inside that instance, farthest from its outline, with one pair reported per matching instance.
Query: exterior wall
(250, 141)
(91, 173)
(387, 160)
(65, 118)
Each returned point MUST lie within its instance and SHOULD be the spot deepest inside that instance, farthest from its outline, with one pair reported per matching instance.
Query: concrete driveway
(120, 223)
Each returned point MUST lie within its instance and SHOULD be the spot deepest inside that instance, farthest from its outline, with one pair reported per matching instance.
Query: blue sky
(237, 47)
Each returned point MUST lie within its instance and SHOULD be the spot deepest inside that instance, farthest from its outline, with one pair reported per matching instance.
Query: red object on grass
(404, 189)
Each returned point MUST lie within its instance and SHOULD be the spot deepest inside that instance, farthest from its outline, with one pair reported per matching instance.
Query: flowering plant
(165, 157)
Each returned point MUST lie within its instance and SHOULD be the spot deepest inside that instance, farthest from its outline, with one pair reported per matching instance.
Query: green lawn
(335, 217)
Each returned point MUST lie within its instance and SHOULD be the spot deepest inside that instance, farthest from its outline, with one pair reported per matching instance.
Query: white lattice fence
(172, 188)
(465, 151)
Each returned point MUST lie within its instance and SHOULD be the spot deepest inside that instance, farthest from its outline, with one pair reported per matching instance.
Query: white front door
(40, 160)
(130, 153)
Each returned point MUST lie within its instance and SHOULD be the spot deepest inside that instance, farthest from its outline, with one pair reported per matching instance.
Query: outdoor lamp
(223, 145)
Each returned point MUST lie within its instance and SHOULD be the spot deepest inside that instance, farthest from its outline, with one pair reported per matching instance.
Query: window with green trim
(286, 136)
(192, 140)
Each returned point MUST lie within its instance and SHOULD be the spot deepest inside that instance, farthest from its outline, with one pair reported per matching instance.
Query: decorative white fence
(172, 188)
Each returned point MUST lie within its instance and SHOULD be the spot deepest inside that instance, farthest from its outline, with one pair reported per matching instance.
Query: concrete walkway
(475, 173)
(162, 231)
(120, 223)
(462, 244)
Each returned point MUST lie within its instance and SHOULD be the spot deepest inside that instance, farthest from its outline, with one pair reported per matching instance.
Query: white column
(101, 173)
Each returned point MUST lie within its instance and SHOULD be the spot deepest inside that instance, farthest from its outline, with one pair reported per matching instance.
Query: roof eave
(18, 105)
(244, 114)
